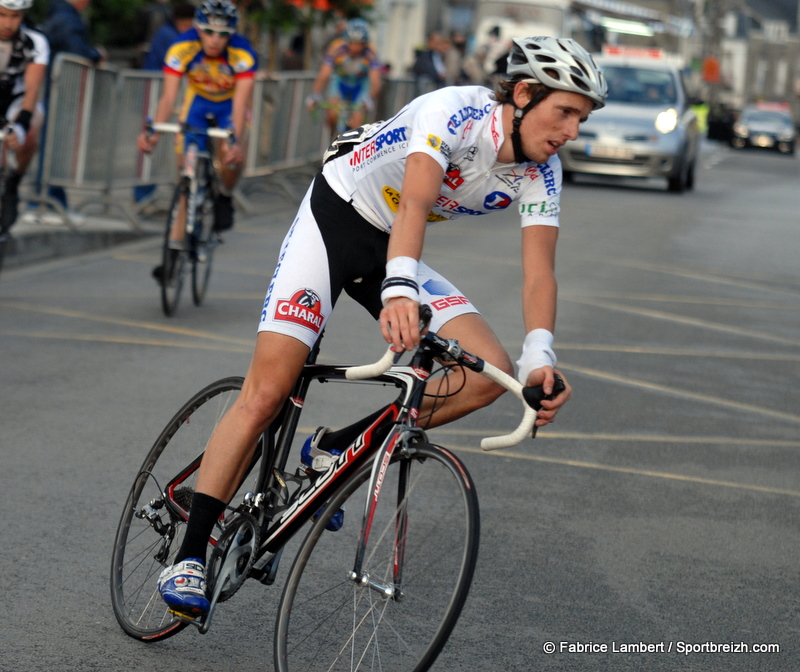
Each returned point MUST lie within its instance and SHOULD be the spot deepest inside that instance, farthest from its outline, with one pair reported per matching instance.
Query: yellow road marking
(633, 472)
(680, 319)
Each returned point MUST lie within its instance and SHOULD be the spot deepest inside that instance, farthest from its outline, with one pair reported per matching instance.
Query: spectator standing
(66, 32)
(429, 68)
(24, 55)
(179, 22)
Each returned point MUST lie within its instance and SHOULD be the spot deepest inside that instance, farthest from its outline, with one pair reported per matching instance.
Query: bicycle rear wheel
(174, 263)
(327, 621)
(152, 525)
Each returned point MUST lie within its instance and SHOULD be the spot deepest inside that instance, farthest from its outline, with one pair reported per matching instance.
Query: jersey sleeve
(41, 53)
(242, 57)
(181, 53)
(431, 130)
(540, 202)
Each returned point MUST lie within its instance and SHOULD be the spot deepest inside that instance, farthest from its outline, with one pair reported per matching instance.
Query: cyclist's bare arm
(321, 82)
(421, 183)
(375, 83)
(242, 99)
(172, 82)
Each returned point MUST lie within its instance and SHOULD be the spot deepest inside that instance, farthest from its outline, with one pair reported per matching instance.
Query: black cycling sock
(341, 438)
(203, 515)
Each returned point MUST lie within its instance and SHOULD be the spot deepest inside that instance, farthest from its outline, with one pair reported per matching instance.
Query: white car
(646, 129)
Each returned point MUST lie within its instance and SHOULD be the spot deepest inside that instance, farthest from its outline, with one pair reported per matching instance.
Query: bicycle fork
(398, 440)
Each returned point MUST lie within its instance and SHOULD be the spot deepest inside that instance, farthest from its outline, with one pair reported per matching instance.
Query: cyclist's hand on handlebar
(233, 154)
(400, 323)
(545, 376)
(146, 142)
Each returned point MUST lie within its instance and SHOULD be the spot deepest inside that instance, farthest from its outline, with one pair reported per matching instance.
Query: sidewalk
(40, 235)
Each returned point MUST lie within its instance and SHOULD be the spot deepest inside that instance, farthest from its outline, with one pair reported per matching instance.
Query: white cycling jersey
(30, 46)
(461, 128)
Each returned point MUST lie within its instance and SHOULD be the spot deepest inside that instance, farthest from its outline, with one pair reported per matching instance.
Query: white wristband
(537, 351)
(401, 279)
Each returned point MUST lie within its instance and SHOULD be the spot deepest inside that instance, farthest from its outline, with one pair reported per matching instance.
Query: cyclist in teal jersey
(351, 74)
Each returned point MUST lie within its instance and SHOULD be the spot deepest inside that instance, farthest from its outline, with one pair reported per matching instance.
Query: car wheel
(677, 183)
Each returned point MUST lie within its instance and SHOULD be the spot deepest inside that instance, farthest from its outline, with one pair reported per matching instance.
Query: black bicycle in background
(383, 592)
(189, 237)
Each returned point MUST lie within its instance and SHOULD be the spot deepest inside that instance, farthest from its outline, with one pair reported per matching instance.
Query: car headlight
(786, 135)
(666, 121)
(741, 130)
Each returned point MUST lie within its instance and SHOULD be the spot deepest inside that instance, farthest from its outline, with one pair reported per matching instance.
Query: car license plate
(607, 152)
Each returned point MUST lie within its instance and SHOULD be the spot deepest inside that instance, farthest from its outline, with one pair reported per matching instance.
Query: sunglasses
(215, 31)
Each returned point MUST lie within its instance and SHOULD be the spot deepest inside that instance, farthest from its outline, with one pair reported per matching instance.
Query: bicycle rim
(141, 550)
(326, 621)
(174, 264)
(204, 248)
(204, 244)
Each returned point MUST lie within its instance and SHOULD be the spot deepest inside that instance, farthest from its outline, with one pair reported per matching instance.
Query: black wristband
(24, 119)
(399, 282)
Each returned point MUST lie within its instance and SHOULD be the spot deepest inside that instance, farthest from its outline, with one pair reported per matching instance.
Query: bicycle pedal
(186, 618)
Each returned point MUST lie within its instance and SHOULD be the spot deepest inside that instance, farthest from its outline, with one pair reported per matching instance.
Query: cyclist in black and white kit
(24, 54)
(459, 151)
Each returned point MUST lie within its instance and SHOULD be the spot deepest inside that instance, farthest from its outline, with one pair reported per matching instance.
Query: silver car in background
(646, 129)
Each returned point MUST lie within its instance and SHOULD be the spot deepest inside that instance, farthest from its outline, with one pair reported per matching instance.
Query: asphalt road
(652, 528)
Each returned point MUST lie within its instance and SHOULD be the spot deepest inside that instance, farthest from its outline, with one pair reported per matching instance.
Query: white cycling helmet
(16, 5)
(560, 63)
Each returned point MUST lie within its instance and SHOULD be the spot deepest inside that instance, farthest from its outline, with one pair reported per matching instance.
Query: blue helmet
(217, 13)
(357, 31)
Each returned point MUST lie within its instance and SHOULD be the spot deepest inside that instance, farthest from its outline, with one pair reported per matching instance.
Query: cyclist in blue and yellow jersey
(351, 73)
(220, 66)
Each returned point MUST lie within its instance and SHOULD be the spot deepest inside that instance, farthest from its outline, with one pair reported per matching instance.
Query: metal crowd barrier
(95, 114)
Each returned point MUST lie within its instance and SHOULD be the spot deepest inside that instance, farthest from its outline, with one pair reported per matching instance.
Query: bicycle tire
(173, 262)
(326, 621)
(134, 565)
(204, 242)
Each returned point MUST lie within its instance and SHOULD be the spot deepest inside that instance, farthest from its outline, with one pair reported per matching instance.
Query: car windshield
(642, 86)
(765, 117)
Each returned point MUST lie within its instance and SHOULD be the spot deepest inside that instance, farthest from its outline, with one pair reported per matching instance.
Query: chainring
(234, 555)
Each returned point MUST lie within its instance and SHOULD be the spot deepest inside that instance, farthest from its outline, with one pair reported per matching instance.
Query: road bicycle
(7, 165)
(384, 591)
(193, 201)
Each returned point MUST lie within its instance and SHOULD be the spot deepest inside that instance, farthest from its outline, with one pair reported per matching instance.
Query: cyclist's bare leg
(332, 117)
(178, 231)
(476, 336)
(357, 118)
(276, 364)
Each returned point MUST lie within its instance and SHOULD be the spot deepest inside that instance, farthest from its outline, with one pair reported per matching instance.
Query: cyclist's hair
(504, 91)
(183, 10)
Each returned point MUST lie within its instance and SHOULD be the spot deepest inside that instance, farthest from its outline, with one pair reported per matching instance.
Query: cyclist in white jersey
(451, 153)
(24, 55)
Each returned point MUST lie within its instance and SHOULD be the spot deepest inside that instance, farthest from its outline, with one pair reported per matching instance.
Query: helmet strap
(519, 113)
(516, 138)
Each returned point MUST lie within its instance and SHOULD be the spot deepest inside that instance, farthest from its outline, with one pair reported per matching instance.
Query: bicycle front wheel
(174, 263)
(418, 566)
(153, 521)
(205, 241)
